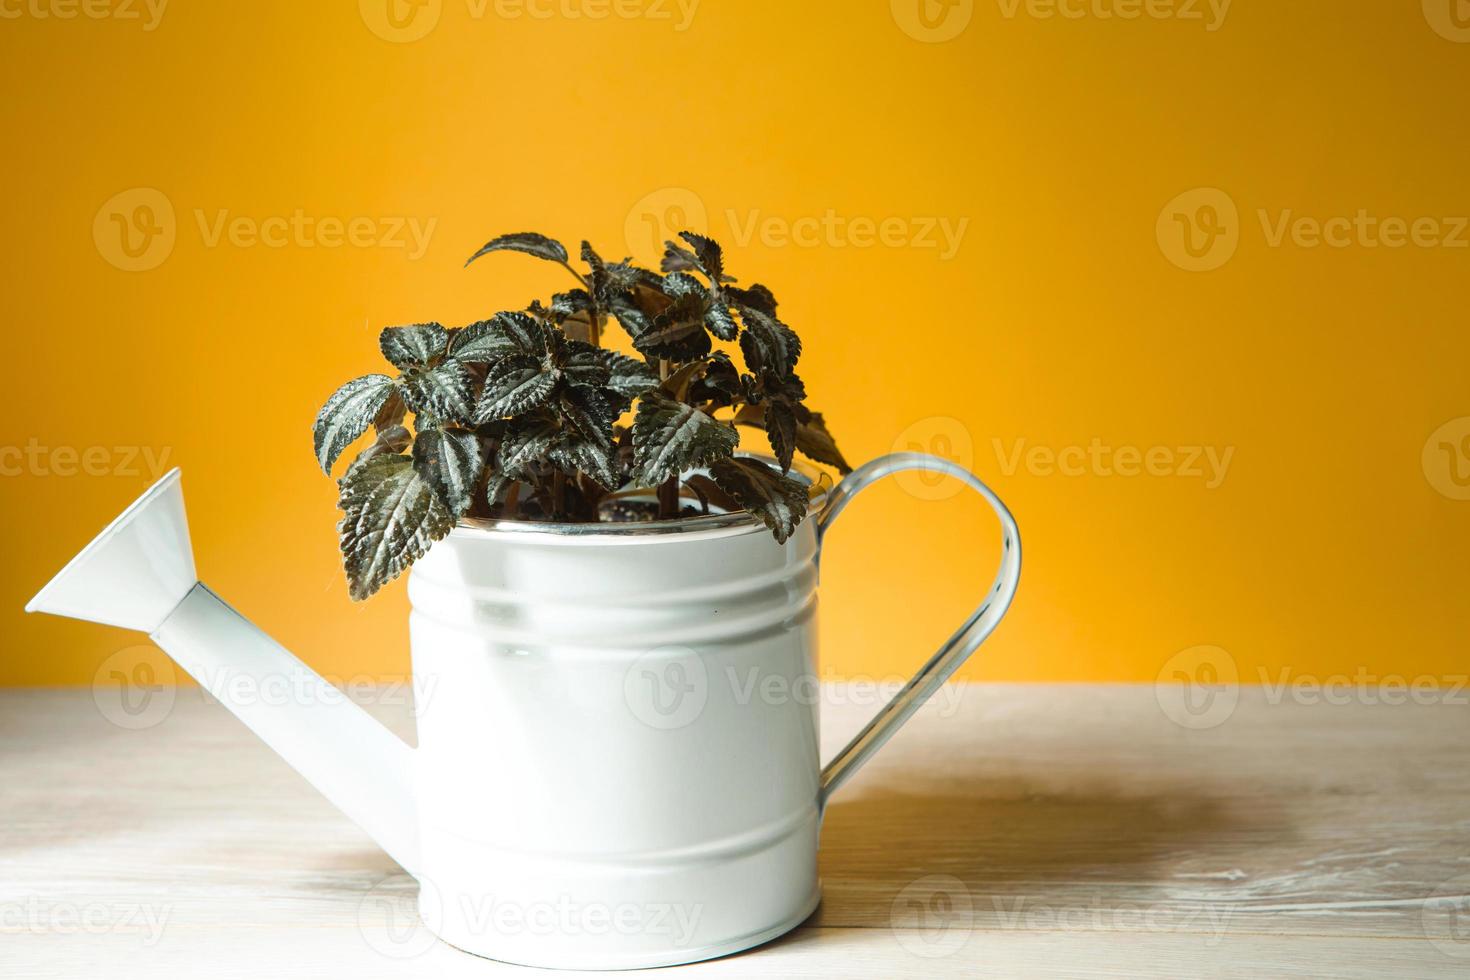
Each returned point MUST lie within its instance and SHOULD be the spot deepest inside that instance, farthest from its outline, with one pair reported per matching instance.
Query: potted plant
(613, 617)
(521, 416)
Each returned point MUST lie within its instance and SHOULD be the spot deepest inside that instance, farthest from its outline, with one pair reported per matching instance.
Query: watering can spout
(139, 574)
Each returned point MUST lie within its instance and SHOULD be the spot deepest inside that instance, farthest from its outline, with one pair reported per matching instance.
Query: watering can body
(617, 761)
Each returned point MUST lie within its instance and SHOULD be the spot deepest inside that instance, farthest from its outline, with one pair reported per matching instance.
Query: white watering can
(617, 762)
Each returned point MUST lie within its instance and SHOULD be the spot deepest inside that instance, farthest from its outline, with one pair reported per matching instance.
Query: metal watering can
(600, 781)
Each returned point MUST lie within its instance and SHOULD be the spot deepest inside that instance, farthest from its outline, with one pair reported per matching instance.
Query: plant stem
(558, 495)
(668, 498)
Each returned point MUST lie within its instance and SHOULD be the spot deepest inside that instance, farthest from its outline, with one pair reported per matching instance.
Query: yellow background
(1061, 318)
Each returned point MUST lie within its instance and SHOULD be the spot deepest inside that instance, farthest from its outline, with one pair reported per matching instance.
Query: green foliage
(528, 415)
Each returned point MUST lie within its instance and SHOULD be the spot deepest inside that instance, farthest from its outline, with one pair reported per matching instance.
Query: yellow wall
(1064, 312)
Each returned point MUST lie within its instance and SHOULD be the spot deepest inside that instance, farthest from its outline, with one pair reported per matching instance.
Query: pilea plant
(525, 415)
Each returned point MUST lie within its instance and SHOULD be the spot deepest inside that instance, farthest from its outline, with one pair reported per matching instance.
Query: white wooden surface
(1008, 831)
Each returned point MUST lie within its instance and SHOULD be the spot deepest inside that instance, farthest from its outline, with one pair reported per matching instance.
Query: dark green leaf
(442, 392)
(627, 376)
(720, 323)
(413, 346)
(768, 344)
(711, 260)
(514, 386)
(449, 459)
(757, 298)
(347, 415)
(528, 242)
(677, 258)
(585, 365)
(816, 443)
(573, 454)
(670, 437)
(678, 332)
(590, 413)
(526, 444)
(501, 336)
(779, 501)
(390, 518)
(392, 412)
(781, 430)
(630, 316)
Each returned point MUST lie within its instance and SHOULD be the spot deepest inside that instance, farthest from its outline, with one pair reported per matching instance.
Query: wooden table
(1008, 831)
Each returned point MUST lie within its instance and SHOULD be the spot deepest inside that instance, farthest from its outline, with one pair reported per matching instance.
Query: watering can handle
(957, 649)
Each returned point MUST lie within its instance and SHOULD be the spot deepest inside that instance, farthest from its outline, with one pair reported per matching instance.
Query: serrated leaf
(572, 454)
(677, 258)
(392, 412)
(670, 437)
(816, 443)
(768, 344)
(630, 316)
(443, 392)
(584, 365)
(526, 444)
(680, 284)
(720, 323)
(757, 298)
(450, 460)
(503, 335)
(347, 415)
(528, 242)
(590, 413)
(623, 276)
(391, 516)
(781, 430)
(514, 386)
(570, 302)
(779, 501)
(627, 376)
(678, 332)
(413, 346)
(707, 252)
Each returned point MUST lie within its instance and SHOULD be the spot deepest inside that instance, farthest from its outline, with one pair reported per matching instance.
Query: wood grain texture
(1053, 830)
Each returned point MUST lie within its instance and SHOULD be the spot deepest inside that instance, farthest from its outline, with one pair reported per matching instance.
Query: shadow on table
(1015, 845)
